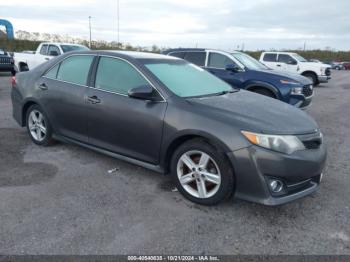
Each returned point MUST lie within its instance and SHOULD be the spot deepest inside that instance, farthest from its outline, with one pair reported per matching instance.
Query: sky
(221, 24)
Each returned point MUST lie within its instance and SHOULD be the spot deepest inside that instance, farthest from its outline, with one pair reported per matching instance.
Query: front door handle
(278, 65)
(43, 86)
(47, 59)
(94, 99)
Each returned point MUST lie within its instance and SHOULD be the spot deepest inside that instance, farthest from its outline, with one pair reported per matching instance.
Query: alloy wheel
(37, 125)
(198, 174)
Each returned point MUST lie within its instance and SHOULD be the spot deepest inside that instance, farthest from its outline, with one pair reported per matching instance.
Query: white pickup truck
(44, 52)
(294, 63)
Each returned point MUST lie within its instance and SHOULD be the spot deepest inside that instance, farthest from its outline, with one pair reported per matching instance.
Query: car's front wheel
(202, 173)
(38, 126)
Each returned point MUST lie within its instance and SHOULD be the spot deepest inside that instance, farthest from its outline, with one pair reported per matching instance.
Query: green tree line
(17, 45)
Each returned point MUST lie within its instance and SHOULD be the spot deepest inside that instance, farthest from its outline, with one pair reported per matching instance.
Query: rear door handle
(94, 99)
(43, 86)
(278, 65)
(47, 59)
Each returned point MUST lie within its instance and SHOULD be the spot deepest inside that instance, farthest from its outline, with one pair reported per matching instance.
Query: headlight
(289, 82)
(284, 144)
(297, 91)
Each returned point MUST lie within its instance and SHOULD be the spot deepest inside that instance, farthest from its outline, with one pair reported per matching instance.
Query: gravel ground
(62, 200)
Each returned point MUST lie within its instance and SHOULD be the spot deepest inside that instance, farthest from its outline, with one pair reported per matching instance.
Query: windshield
(299, 58)
(249, 62)
(185, 79)
(69, 48)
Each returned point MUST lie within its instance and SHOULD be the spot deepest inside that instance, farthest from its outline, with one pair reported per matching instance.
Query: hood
(253, 112)
(281, 75)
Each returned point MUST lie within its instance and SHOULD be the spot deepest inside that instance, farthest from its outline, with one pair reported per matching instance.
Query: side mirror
(292, 62)
(144, 92)
(53, 53)
(232, 68)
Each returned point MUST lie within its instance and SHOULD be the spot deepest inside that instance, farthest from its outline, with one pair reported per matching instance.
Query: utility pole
(304, 46)
(118, 23)
(90, 30)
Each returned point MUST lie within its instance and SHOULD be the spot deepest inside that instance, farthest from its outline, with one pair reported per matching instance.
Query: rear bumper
(300, 173)
(17, 106)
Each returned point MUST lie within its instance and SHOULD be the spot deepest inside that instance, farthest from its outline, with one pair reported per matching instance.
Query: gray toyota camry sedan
(173, 117)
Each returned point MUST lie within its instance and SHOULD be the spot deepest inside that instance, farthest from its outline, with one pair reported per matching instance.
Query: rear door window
(270, 57)
(217, 60)
(43, 50)
(75, 69)
(197, 58)
(52, 73)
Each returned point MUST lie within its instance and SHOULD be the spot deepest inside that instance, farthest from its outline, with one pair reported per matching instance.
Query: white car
(26, 61)
(294, 63)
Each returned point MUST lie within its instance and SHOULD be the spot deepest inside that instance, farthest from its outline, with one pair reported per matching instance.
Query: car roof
(198, 50)
(56, 43)
(138, 55)
(123, 54)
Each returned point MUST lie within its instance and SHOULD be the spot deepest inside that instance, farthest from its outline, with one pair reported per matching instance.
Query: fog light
(276, 186)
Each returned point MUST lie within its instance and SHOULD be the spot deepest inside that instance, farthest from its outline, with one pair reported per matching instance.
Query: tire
(264, 92)
(39, 128)
(218, 180)
(312, 77)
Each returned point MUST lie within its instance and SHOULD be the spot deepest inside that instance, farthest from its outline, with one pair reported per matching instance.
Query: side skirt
(146, 165)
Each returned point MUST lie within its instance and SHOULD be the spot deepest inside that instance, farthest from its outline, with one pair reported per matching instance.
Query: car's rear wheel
(38, 126)
(202, 173)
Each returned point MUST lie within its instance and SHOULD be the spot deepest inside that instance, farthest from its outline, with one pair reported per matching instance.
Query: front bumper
(300, 172)
(324, 79)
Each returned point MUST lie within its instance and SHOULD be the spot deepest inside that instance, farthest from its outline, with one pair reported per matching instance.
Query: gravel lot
(62, 200)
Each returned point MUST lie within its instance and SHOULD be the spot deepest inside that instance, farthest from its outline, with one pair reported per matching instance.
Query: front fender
(250, 84)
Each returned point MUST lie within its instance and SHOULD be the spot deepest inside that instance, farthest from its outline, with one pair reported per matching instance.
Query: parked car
(337, 66)
(244, 72)
(294, 63)
(168, 115)
(346, 65)
(6, 62)
(26, 61)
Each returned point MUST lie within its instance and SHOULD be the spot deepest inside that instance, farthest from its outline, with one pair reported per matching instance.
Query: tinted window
(52, 73)
(54, 48)
(219, 61)
(75, 69)
(43, 50)
(270, 57)
(117, 76)
(185, 79)
(197, 58)
(285, 58)
(178, 54)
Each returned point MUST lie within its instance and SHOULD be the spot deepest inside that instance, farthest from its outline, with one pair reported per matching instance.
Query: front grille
(308, 90)
(312, 144)
(5, 60)
(328, 72)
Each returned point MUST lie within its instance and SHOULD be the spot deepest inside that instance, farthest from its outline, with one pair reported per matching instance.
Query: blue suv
(242, 71)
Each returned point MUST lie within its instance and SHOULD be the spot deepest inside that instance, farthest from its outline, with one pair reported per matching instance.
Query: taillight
(13, 81)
